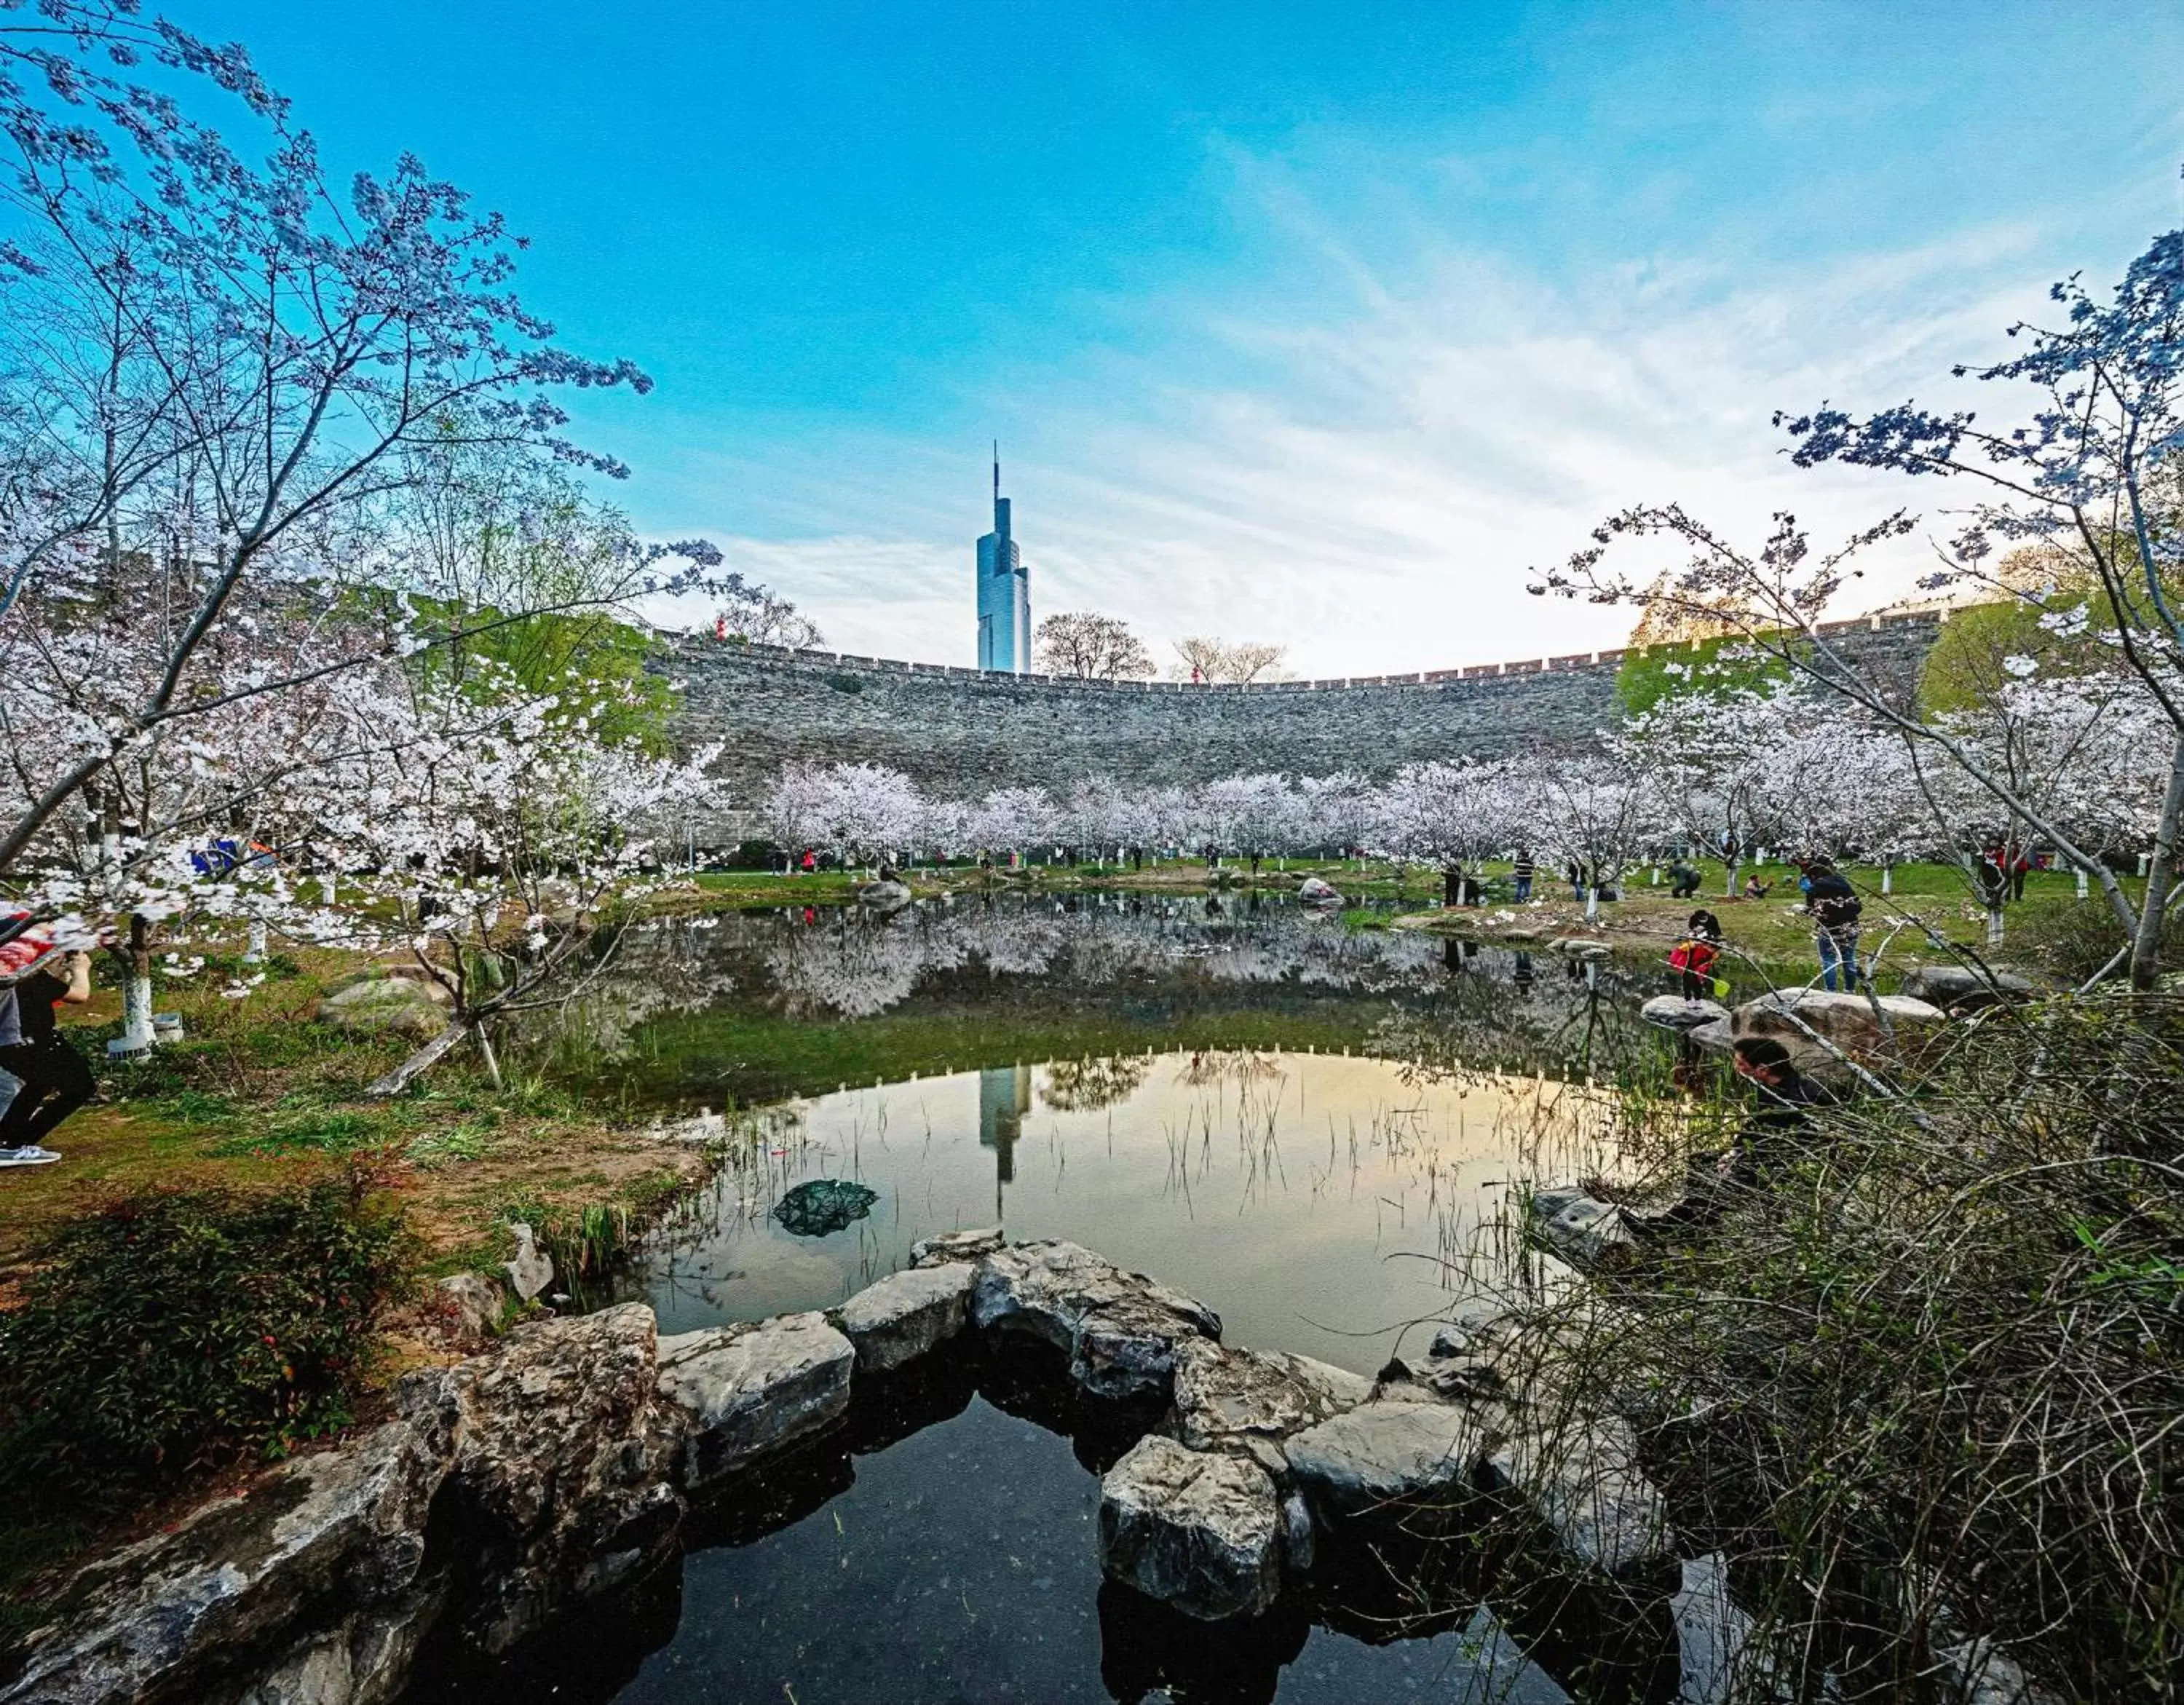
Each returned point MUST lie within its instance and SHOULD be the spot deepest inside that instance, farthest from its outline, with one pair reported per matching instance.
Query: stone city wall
(963, 732)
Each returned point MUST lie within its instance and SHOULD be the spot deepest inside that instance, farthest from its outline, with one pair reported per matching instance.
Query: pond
(1309, 1122)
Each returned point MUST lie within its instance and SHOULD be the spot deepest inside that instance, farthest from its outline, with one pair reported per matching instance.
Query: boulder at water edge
(906, 1315)
(558, 1471)
(1314, 892)
(1673, 1013)
(387, 1005)
(1806, 1022)
(1388, 1451)
(747, 1391)
(1249, 1401)
(1199, 1531)
(883, 896)
(956, 1246)
(1584, 1231)
(1582, 1480)
(1120, 1329)
(1962, 989)
(332, 1540)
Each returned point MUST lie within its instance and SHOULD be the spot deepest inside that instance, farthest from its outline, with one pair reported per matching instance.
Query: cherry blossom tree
(1455, 816)
(849, 809)
(229, 367)
(1592, 811)
(2091, 472)
(1707, 758)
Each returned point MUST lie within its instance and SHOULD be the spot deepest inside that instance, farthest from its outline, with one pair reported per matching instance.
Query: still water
(1311, 1126)
(1316, 1202)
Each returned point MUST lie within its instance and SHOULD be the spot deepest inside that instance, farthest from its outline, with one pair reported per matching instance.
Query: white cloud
(1368, 484)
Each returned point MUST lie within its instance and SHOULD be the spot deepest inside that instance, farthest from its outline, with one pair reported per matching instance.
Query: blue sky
(1308, 323)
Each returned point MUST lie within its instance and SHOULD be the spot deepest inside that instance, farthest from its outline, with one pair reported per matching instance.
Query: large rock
(1249, 1401)
(467, 1308)
(379, 1005)
(1584, 1231)
(956, 1246)
(1197, 1530)
(1314, 892)
(559, 1451)
(747, 1391)
(1582, 1480)
(906, 1315)
(1673, 1013)
(171, 1619)
(1120, 1329)
(1715, 1035)
(883, 896)
(1796, 1017)
(1389, 1452)
(1960, 989)
(364, 1660)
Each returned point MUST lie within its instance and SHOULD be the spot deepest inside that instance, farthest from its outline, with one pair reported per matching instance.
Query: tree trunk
(395, 1081)
(2083, 889)
(1995, 924)
(135, 1036)
(1728, 892)
(254, 954)
(2146, 945)
(1592, 901)
(1888, 879)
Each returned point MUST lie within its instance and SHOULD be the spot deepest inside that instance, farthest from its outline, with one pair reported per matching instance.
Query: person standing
(1834, 908)
(55, 1081)
(1522, 869)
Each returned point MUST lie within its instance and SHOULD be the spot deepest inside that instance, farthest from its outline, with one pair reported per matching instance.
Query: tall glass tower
(1004, 593)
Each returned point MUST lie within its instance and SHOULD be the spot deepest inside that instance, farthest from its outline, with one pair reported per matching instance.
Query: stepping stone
(748, 1391)
(1121, 1329)
(1194, 1530)
(906, 1315)
(1251, 1400)
(1389, 1452)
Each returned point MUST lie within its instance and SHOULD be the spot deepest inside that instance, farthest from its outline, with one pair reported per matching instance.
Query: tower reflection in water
(1004, 1099)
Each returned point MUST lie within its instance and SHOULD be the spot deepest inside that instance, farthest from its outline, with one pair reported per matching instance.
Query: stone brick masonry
(962, 732)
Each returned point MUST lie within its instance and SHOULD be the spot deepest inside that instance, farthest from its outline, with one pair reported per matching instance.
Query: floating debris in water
(823, 1206)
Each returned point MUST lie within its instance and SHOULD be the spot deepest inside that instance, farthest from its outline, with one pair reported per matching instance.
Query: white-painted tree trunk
(2083, 884)
(1888, 879)
(135, 1014)
(330, 884)
(254, 954)
(1592, 902)
(1994, 926)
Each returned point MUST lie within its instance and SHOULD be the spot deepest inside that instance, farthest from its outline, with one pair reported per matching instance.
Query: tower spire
(997, 471)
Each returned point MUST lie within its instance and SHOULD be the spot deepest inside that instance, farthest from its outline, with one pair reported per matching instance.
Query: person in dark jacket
(1522, 868)
(1834, 907)
(1684, 881)
(55, 1081)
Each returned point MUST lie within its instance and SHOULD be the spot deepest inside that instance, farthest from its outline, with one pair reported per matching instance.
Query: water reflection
(947, 1555)
(1316, 1201)
(757, 1007)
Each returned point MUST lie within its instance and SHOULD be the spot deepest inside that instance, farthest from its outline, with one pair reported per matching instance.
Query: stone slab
(1199, 1530)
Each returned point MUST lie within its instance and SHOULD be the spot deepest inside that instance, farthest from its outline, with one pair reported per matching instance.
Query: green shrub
(167, 1329)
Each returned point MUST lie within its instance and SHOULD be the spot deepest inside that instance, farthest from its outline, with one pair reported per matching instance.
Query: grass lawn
(260, 1094)
(1773, 933)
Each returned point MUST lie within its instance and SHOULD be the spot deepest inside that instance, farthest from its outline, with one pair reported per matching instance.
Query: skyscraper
(1003, 592)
